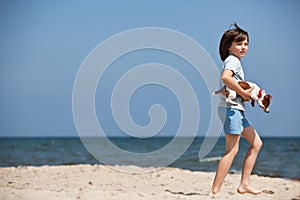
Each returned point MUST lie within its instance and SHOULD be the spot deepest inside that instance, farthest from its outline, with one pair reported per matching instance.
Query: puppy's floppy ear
(268, 96)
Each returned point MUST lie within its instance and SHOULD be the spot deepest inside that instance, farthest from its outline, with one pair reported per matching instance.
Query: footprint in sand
(297, 198)
(268, 192)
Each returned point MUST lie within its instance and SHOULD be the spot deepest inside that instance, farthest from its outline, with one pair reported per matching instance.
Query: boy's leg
(255, 144)
(232, 145)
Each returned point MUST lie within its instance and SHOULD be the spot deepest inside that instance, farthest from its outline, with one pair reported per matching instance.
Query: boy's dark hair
(232, 35)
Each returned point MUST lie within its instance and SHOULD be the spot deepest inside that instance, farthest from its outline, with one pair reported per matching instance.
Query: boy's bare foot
(213, 193)
(248, 189)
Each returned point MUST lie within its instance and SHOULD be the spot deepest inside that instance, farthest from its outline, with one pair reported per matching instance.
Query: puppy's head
(266, 102)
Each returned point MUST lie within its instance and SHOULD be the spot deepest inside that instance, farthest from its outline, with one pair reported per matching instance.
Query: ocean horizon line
(128, 137)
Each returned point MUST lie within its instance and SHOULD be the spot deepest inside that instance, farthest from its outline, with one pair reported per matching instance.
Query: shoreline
(86, 181)
(147, 169)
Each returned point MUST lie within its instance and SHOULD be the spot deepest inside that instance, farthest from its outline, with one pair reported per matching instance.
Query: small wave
(210, 159)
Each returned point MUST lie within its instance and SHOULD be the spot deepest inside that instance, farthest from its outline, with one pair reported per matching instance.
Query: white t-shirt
(233, 63)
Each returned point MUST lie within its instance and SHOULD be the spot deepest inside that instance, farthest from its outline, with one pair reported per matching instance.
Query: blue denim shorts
(234, 121)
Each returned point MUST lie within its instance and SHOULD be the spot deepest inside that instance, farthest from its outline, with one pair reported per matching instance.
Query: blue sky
(43, 44)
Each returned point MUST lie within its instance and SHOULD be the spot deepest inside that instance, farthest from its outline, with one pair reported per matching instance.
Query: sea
(279, 157)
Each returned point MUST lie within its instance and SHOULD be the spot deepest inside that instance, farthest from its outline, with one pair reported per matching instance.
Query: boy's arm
(231, 83)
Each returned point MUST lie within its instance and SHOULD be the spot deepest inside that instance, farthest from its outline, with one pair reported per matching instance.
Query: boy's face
(239, 49)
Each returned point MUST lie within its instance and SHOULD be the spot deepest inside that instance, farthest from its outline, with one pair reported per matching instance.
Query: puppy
(257, 94)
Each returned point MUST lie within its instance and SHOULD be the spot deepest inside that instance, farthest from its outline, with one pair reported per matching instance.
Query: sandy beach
(105, 182)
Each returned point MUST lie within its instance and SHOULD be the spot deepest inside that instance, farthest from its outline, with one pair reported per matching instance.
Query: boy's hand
(246, 95)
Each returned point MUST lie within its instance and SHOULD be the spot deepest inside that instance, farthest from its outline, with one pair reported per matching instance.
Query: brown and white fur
(257, 94)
